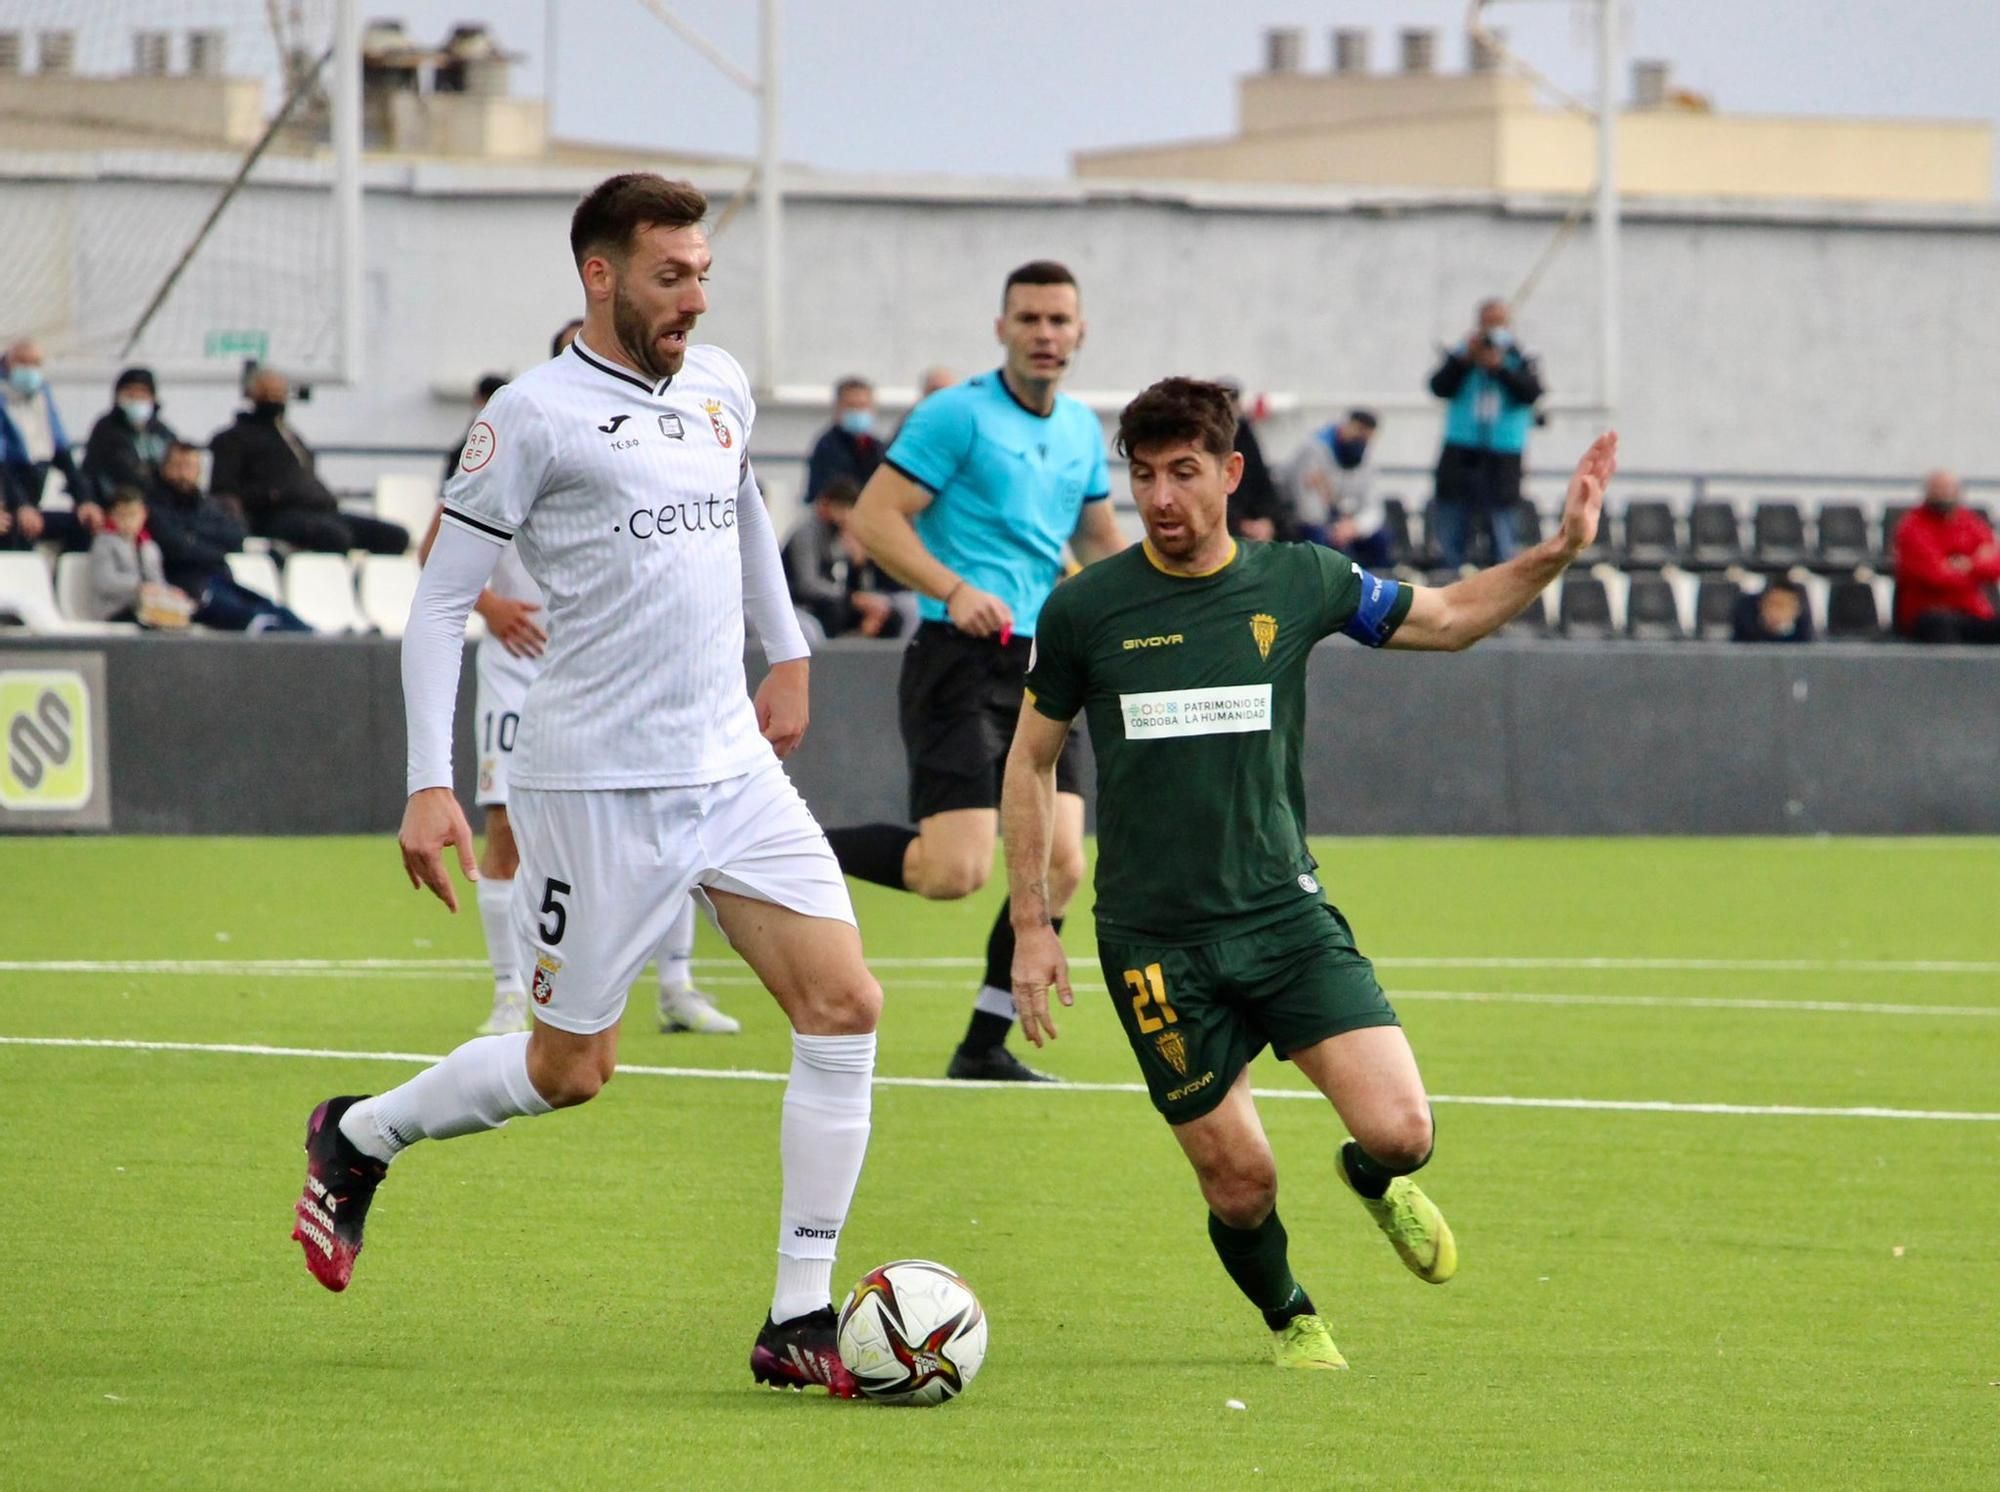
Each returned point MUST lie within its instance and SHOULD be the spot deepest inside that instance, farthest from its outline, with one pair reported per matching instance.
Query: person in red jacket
(1946, 562)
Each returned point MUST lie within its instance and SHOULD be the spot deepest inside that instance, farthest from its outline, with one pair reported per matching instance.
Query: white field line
(466, 969)
(419, 966)
(1615, 1105)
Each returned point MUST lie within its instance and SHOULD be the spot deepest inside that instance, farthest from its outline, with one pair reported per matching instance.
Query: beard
(629, 326)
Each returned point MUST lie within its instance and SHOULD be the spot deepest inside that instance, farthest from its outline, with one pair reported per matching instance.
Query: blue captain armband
(1384, 604)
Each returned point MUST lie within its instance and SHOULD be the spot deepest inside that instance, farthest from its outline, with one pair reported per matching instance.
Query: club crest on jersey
(670, 426)
(723, 435)
(547, 966)
(1172, 1047)
(1264, 627)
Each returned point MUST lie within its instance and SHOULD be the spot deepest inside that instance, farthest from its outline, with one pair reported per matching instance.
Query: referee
(983, 486)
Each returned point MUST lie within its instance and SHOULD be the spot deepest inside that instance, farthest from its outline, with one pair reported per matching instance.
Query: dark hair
(851, 381)
(182, 445)
(136, 376)
(1175, 410)
(491, 384)
(564, 336)
(1363, 417)
(842, 492)
(619, 207)
(1037, 272)
(121, 496)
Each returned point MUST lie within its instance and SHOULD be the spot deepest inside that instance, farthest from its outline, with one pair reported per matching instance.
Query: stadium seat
(1715, 607)
(388, 582)
(407, 498)
(1892, 516)
(1778, 535)
(1584, 611)
(1652, 612)
(257, 572)
(1396, 519)
(320, 588)
(1843, 537)
(1851, 612)
(1714, 539)
(73, 586)
(1527, 524)
(25, 592)
(1650, 536)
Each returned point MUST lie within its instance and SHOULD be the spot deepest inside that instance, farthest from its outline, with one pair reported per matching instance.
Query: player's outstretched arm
(1027, 826)
(883, 523)
(1455, 616)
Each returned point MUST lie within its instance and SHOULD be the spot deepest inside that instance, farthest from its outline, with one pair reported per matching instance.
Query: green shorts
(1196, 1016)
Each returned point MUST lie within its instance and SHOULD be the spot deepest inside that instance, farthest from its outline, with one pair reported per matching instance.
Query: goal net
(169, 181)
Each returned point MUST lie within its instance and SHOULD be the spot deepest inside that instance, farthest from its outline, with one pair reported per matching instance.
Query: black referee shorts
(959, 698)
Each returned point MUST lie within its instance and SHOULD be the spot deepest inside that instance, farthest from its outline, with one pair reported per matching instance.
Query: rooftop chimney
(1419, 49)
(1283, 46)
(149, 54)
(10, 53)
(55, 53)
(205, 51)
(1350, 51)
(1649, 83)
(1487, 51)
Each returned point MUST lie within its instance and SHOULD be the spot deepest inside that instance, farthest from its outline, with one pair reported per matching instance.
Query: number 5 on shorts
(552, 932)
(1150, 988)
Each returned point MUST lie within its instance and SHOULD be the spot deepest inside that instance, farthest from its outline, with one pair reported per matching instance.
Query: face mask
(268, 409)
(857, 421)
(138, 411)
(1500, 337)
(25, 380)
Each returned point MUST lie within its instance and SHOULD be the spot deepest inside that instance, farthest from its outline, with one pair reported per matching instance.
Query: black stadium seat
(1851, 613)
(1585, 610)
(1650, 536)
(1651, 614)
(1714, 540)
(1843, 536)
(1527, 524)
(1715, 608)
(1396, 519)
(1892, 515)
(1778, 535)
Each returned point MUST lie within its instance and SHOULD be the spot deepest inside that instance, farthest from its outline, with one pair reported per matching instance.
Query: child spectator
(128, 580)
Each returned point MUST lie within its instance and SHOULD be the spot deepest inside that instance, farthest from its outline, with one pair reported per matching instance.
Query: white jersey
(512, 581)
(621, 498)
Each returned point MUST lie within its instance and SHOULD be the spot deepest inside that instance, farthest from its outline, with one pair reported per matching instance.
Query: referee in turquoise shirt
(984, 485)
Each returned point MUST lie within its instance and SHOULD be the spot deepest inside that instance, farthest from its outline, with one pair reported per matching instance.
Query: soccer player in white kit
(642, 770)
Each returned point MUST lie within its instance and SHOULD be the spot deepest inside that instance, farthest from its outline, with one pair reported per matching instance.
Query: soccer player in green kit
(1188, 654)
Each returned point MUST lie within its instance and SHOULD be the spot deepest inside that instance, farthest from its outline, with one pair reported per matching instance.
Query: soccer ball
(912, 1332)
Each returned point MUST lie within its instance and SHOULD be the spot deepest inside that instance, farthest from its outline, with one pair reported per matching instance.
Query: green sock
(1256, 1260)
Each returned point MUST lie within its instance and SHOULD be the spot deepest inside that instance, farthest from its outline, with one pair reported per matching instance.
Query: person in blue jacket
(1491, 384)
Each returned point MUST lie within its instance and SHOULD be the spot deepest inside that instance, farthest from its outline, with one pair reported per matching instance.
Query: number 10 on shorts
(1149, 987)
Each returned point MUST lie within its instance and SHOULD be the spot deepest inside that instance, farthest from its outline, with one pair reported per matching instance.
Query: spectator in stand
(1490, 384)
(834, 585)
(127, 580)
(848, 448)
(1777, 613)
(1946, 564)
(1256, 510)
(262, 463)
(559, 344)
(196, 535)
(33, 443)
(1332, 486)
(129, 440)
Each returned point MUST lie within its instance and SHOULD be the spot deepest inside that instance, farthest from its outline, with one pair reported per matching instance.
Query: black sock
(1256, 1260)
(1366, 1174)
(987, 1029)
(873, 852)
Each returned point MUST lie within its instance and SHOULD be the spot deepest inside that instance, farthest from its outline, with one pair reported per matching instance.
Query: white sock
(994, 1001)
(823, 1140)
(676, 953)
(480, 1086)
(503, 946)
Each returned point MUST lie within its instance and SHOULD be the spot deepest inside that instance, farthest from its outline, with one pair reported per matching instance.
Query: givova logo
(44, 740)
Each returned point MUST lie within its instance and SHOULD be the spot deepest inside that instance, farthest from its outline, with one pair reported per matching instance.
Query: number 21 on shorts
(1149, 987)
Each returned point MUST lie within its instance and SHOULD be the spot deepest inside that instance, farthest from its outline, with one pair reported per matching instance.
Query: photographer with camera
(1491, 384)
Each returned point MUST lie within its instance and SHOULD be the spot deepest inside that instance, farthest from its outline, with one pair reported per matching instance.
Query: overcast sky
(1012, 89)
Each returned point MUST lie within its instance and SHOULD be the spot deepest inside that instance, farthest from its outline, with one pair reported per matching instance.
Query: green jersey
(1194, 686)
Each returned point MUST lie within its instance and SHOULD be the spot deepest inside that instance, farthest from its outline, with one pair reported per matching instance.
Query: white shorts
(496, 719)
(603, 873)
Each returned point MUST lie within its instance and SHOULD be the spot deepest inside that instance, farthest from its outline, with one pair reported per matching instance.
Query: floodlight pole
(1607, 208)
(346, 126)
(770, 196)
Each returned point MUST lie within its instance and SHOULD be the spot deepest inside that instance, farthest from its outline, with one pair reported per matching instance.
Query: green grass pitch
(1649, 1297)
